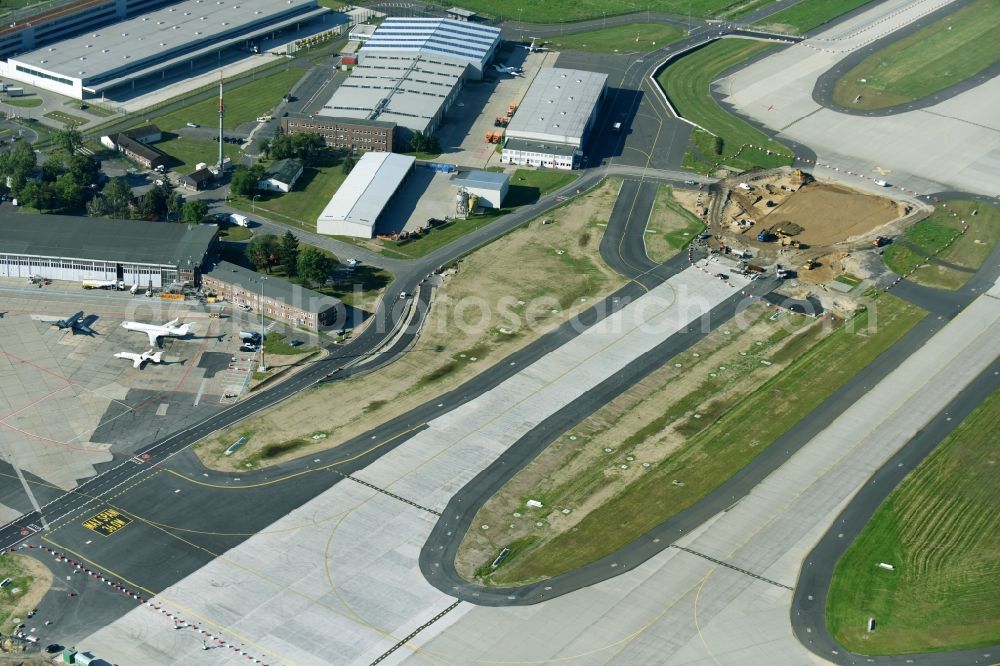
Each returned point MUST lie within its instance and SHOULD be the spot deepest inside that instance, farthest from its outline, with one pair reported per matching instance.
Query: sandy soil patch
(829, 214)
(594, 461)
(499, 299)
(15, 605)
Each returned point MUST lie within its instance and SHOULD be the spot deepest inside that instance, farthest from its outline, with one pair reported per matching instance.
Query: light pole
(253, 203)
(260, 305)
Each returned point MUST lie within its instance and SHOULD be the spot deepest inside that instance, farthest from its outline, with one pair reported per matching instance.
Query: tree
(69, 195)
(263, 250)
(347, 164)
(306, 146)
(16, 165)
(194, 211)
(69, 140)
(175, 203)
(39, 195)
(244, 180)
(417, 142)
(52, 168)
(314, 265)
(98, 207)
(288, 255)
(118, 196)
(84, 169)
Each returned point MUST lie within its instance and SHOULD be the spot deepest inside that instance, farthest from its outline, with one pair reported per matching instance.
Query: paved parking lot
(68, 406)
(463, 136)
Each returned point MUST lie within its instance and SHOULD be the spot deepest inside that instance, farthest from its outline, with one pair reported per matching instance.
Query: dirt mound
(829, 214)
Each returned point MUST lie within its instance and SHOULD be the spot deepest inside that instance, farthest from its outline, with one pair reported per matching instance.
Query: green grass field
(278, 343)
(950, 50)
(11, 567)
(809, 14)
(939, 236)
(940, 529)
(248, 99)
(620, 38)
(687, 81)
(670, 226)
(302, 206)
(24, 102)
(189, 152)
(723, 446)
(560, 11)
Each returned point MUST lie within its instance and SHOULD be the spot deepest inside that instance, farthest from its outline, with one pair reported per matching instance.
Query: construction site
(816, 234)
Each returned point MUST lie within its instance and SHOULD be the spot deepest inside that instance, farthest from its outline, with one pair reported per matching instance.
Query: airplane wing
(153, 336)
(137, 361)
(172, 322)
(47, 318)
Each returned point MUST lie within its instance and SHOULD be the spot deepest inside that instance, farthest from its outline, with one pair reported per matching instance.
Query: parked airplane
(74, 321)
(535, 47)
(139, 359)
(170, 329)
(504, 69)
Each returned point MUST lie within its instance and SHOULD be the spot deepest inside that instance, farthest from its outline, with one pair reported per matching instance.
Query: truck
(239, 220)
(765, 236)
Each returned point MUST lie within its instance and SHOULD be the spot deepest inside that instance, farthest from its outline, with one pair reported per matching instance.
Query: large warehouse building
(356, 207)
(79, 249)
(119, 54)
(411, 71)
(554, 119)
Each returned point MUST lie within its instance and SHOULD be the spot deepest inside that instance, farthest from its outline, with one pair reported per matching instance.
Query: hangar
(77, 249)
(355, 209)
(554, 119)
(411, 70)
(117, 55)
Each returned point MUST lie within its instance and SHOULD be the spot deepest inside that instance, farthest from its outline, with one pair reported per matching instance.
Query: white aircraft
(170, 329)
(74, 322)
(535, 47)
(139, 359)
(504, 69)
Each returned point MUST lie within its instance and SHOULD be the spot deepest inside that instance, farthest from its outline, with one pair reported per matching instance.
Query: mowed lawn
(559, 11)
(189, 152)
(302, 206)
(809, 14)
(721, 449)
(944, 53)
(687, 82)
(940, 529)
(939, 236)
(244, 102)
(621, 38)
(670, 226)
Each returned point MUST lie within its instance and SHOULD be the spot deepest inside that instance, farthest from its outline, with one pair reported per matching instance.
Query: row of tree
(268, 252)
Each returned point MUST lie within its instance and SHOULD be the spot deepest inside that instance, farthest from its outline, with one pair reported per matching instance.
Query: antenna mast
(221, 113)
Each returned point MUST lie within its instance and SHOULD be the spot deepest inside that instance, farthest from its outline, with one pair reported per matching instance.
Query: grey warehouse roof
(557, 106)
(542, 147)
(466, 42)
(157, 243)
(154, 36)
(274, 287)
(407, 91)
(491, 180)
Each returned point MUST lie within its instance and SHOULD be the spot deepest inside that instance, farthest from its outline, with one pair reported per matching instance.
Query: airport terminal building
(78, 249)
(117, 55)
(554, 119)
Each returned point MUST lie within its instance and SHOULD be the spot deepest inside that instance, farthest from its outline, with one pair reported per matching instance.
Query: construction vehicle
(765, 236)
(501, 121)
(810, 264)
(511, 109)
(493, 137)
(801, 177)
(880, 241)
(791, 242)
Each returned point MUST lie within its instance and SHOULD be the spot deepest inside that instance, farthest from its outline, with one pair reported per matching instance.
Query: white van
(241, 220)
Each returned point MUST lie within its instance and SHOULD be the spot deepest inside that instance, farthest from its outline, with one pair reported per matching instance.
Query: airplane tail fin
(157, 357)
